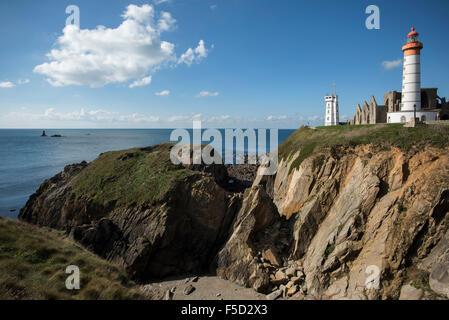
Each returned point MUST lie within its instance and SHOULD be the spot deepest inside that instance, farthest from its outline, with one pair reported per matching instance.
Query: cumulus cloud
(162, 93)
(388, 65)
(100, 56)
(207, 94)
(194, 55)
(141, 82)
(166, 22)
(7, 84)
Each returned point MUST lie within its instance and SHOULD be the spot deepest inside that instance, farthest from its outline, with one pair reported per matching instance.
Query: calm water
(27, 159)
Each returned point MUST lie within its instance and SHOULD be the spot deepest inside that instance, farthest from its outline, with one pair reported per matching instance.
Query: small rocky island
(343, 199)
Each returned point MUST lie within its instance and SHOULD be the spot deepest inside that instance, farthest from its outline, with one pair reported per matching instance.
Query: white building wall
(406, 116)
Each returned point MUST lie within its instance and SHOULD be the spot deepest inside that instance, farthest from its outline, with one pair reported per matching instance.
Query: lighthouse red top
(413, 46)
(413, 33)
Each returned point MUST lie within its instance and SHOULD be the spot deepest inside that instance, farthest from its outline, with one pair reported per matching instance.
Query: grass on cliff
(33, 262)
(130, 177)
(308, 140)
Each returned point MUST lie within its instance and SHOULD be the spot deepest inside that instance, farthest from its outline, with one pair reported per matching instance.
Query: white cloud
(100, 56)
(388, 65)
(160, 1)
(315, 118)
(194, 55)
(7, 84)
(162, 93)
(98, 115)
(141, 82)
(166, 22)
(218, 118)
(207, 94)
(272, 118)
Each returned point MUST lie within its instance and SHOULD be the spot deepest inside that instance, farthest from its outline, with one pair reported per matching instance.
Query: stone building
(369, 113)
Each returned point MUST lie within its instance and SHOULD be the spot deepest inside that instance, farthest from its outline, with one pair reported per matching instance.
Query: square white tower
(331, 117)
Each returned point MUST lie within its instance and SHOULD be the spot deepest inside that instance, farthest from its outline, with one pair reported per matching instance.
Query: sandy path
(206, 288)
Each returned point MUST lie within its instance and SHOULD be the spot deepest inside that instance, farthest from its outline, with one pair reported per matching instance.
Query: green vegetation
(382, 136)
(329, 249)
(33, 262)
(130, 177)
(318, 162)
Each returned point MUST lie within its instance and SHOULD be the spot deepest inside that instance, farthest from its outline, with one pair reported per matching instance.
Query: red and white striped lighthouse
(411, 80)
(411, 85)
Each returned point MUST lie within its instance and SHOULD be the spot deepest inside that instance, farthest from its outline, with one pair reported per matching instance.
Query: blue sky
(260, 63)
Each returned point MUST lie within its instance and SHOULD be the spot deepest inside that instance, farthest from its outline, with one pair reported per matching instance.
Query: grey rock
(274, 295)
(439, 278)
(168, 295)
(409, 292)
(189, 289)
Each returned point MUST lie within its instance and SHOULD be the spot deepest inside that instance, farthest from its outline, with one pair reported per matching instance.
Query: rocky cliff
(362, 221)
(137, 209)
(364, 218)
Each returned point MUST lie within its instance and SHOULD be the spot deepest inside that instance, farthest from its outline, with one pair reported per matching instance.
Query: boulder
(439, 278)
(409, 292)
(292, 290)
(272, 256)
(274, 295)
(189, 289)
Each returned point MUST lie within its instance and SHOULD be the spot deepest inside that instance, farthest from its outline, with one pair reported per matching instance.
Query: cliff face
(358, 214)
(136, 209)
(347, 222)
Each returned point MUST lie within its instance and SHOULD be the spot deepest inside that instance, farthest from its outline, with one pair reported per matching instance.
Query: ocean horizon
(27, 159)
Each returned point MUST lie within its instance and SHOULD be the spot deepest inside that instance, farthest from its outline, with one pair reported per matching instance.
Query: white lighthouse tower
(411, 84)
(331, 117)
(411, 80)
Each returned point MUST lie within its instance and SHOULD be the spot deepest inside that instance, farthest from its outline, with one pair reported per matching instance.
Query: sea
(27, 158)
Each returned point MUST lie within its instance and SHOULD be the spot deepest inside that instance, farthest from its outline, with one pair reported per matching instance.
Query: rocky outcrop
(366, 214)
(176, 230)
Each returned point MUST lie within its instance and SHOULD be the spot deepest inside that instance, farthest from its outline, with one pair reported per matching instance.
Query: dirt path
(205, 288)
